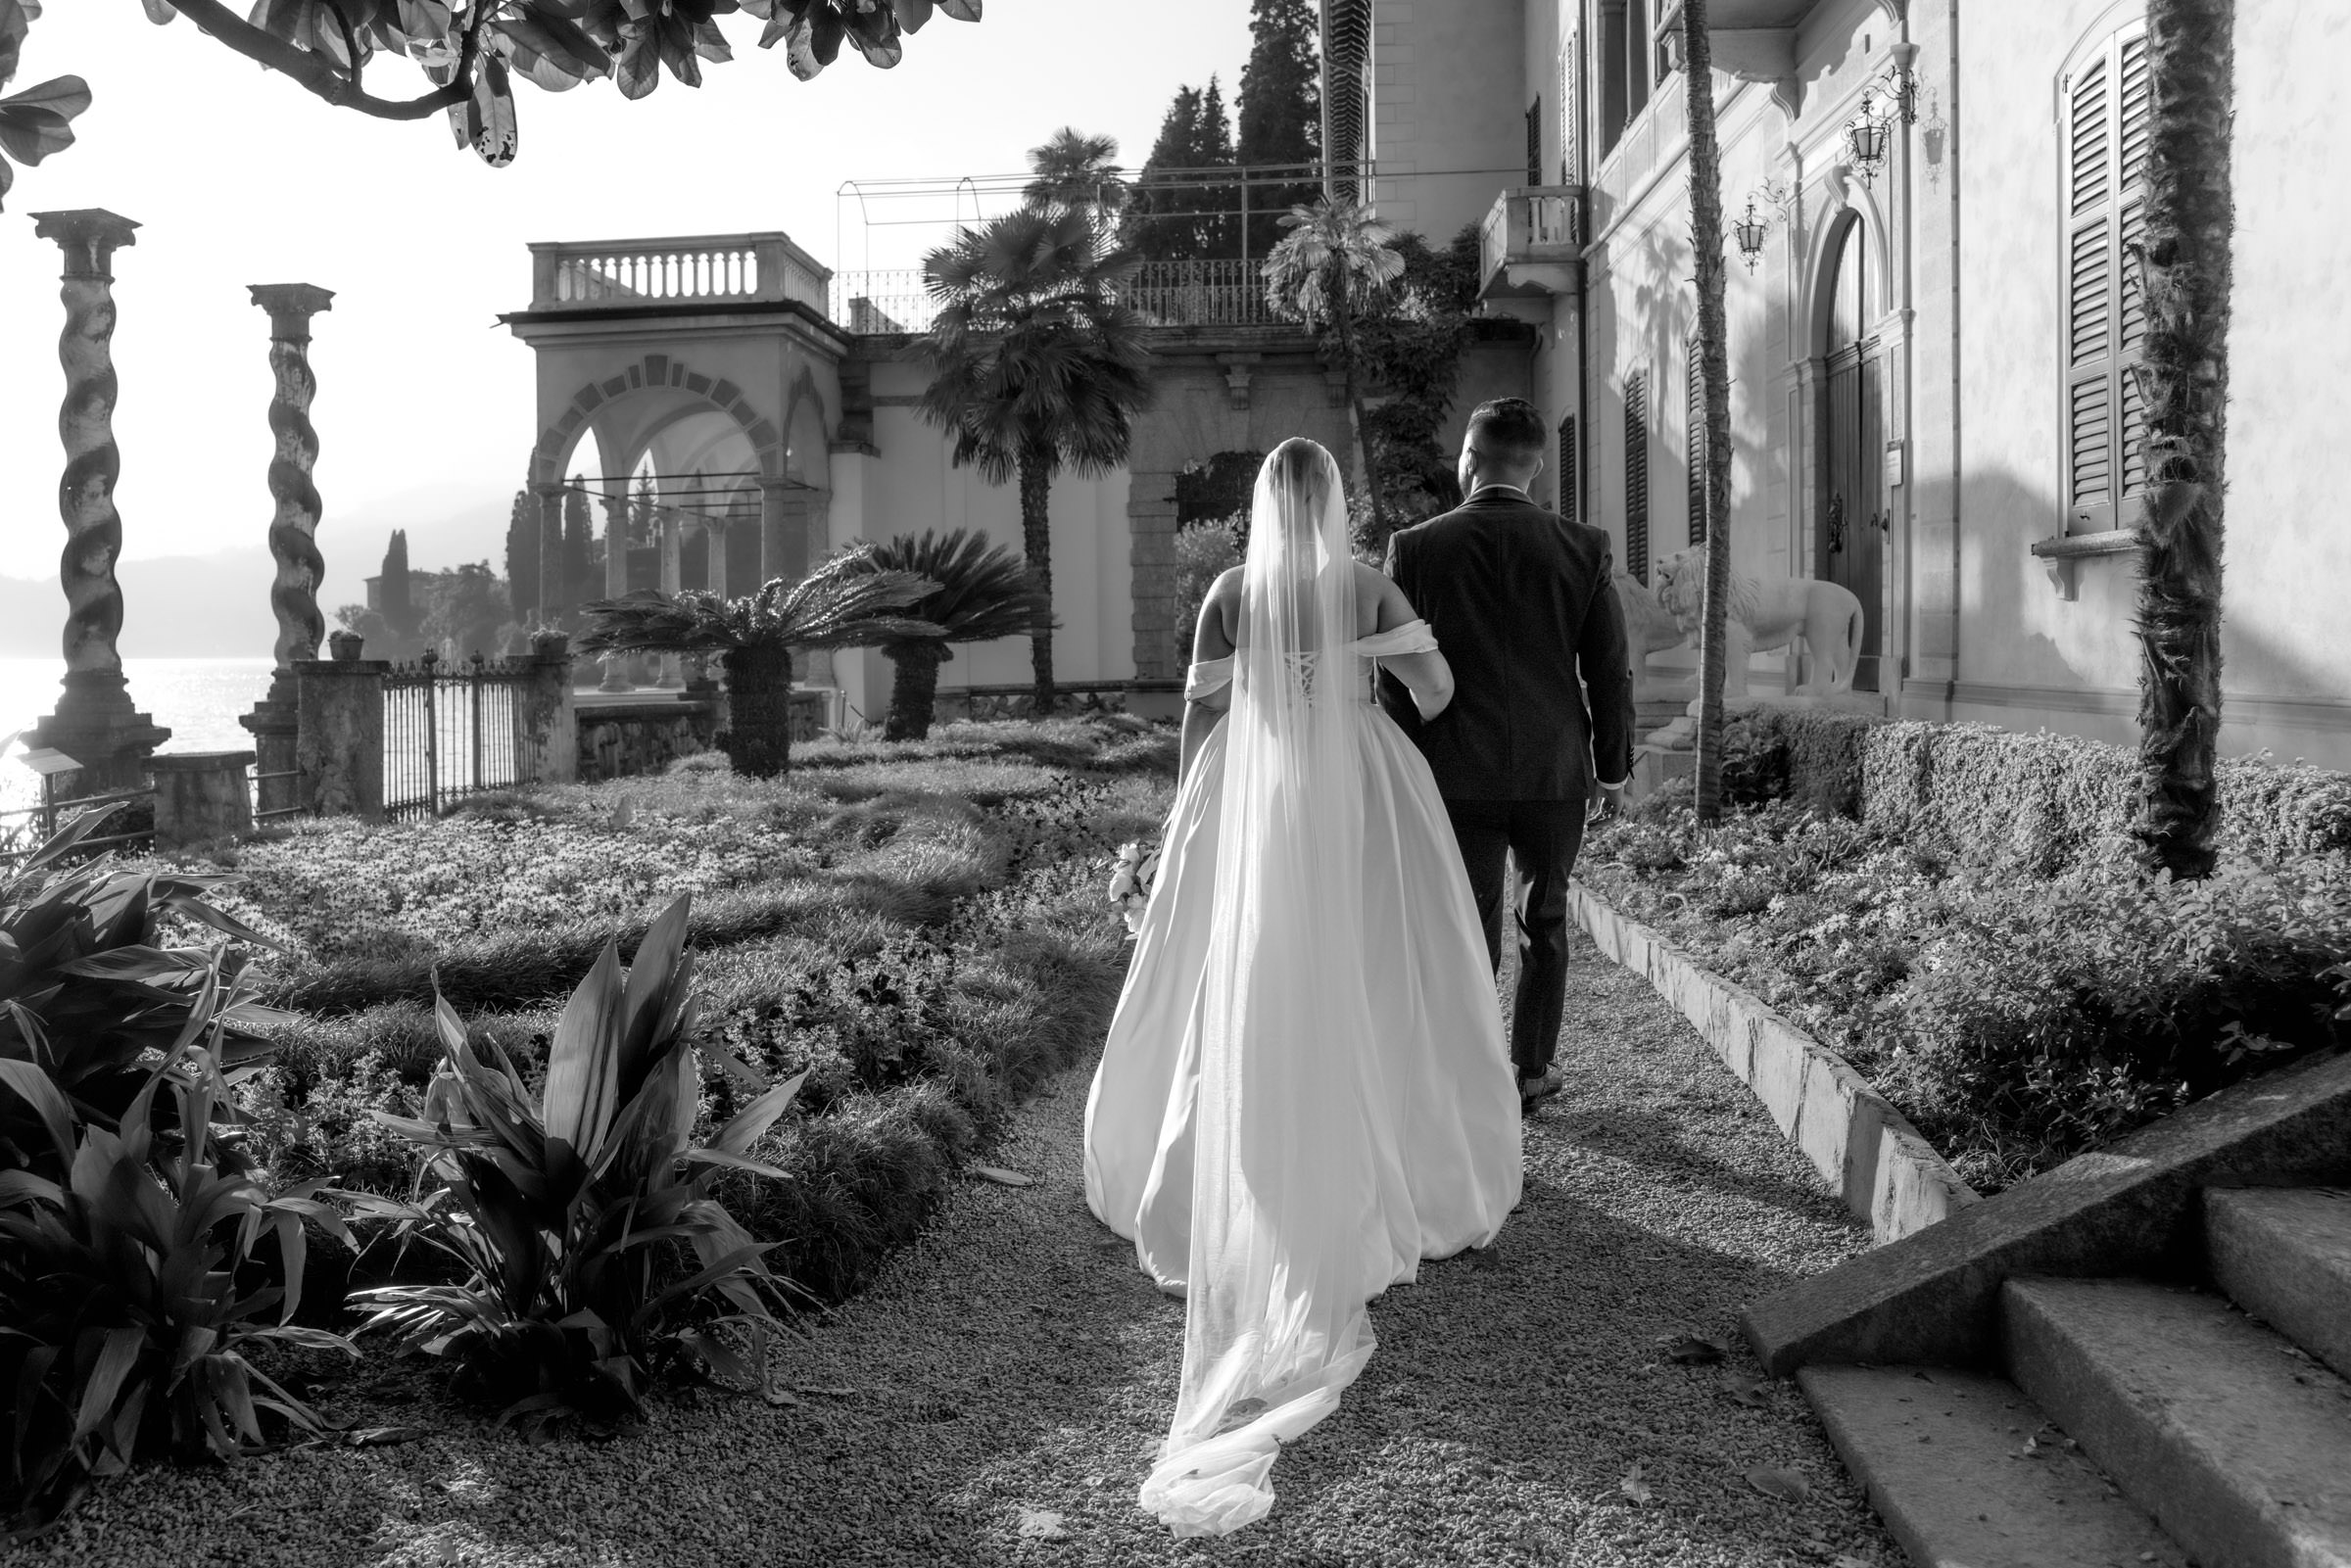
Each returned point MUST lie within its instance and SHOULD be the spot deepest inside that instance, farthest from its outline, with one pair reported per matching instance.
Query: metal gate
(451, 729)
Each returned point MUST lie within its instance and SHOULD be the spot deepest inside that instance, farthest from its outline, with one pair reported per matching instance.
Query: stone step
(2283, 1254)
(1968, 1473)
(2238, 1443)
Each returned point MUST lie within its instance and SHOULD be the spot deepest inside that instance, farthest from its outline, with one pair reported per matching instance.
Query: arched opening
(1850, 515)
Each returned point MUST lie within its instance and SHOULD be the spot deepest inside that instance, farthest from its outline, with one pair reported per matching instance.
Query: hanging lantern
(1749, 231)
(1869, 137)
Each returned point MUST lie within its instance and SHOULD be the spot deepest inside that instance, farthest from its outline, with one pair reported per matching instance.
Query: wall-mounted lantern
(1750, 230)
(1869, 140)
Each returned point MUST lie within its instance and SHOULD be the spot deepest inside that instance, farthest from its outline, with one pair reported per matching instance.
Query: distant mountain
(218, 605)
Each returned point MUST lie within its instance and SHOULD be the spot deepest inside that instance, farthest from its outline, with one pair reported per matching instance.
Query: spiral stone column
(94, 723)
(293, 531)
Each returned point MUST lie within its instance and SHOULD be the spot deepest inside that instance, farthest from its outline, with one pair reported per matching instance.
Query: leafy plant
(86, 994)
(125, 1309)
(983, 593)
(1204, 552)
(39, 121)
(1036, 367)
(847, 601)
(471, 55)
(561, 1210)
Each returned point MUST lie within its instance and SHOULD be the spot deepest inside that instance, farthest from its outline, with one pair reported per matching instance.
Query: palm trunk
(1706, 240)
(1343, 318)
(1037, 541)
(914, 688)
(2185, 281)
(759, 736)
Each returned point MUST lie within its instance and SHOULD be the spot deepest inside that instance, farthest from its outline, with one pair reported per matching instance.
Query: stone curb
(1887, 1174)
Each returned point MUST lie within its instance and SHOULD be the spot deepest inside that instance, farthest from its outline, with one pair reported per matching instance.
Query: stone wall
(627, 739)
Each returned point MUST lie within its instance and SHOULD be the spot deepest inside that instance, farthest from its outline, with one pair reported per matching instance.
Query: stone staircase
(2137, 1421)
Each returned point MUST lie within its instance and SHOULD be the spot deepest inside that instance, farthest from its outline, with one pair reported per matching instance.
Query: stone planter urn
(344, 645)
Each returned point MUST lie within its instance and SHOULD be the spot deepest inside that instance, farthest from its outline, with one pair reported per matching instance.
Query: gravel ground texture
(996, 1394)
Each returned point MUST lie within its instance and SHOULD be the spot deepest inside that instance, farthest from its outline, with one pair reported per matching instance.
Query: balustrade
(721, 269)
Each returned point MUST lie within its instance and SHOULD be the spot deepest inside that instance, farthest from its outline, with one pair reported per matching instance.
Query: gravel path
(994, 1397)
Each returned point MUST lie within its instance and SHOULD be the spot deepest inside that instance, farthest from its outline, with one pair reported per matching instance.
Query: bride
(1306, 1089)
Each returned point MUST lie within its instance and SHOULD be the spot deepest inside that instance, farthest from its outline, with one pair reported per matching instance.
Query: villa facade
(1932, 398)
(1931, 390)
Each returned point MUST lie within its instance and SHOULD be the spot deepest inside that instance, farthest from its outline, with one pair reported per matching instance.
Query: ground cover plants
(836, 987)
(2019, 1005)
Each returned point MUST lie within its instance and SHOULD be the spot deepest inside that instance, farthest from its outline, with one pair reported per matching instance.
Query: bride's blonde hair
(1306, 465)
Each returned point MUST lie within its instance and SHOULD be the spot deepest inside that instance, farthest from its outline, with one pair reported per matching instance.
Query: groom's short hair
(1509, 430)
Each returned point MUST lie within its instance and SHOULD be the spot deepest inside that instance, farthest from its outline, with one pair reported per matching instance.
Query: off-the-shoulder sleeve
(1207, 677)
(1412, 637)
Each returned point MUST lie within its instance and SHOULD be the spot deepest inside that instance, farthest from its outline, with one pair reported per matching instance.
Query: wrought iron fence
(450, 731)
(1224, 291)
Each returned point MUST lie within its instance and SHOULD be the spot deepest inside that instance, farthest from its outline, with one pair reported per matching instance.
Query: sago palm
(843, 603)
(1036, 367)
(1334, 267)
(982, 594)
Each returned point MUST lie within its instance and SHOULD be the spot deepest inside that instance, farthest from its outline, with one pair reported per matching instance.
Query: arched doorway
(1850, 517)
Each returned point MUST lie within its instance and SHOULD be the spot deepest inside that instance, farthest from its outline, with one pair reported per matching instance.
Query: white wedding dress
(1306, 1088)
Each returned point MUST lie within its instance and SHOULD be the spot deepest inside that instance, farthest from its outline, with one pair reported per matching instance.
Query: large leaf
(30, 1084)
(577, 1103)
(753, 1119)
(35, 123)
(117, 1353)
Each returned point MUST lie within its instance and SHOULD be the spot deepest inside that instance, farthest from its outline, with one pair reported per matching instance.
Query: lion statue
(1823, 617)
(1648, 627)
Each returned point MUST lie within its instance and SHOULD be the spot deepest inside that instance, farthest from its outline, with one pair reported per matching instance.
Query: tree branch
(316, 74)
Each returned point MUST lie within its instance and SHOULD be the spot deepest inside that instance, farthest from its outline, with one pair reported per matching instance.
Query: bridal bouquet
(1131, 880)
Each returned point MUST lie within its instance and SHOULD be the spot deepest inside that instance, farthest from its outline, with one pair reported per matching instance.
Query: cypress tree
(1280, 109)
(397, 595)
(523, 556)
(1181, 223)
(579, 528)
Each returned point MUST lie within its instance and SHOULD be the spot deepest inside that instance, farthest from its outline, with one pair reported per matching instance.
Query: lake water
(197, 699)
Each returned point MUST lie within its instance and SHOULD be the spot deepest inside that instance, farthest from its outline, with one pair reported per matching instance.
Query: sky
(424, 405)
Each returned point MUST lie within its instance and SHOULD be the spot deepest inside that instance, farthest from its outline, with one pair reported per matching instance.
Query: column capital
(291, 307)
(88, 235)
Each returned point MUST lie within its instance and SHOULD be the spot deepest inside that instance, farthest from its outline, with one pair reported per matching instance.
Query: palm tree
(1037, 368)
(844, 602)
(1705, 241)
(982, 594)
(2183, 266)
(1074, 170)
(1334, 266)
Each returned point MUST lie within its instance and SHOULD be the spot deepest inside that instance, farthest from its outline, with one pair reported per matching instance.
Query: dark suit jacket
(1523, 604)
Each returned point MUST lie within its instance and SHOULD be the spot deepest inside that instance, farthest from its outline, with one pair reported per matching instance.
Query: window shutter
(1694, 441)
(1571, 497)
(1570, 107)
(1534, 141)
(1636, 475)
(2107, 119)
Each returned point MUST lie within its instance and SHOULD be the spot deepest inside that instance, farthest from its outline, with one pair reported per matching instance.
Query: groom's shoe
(1533, 1091)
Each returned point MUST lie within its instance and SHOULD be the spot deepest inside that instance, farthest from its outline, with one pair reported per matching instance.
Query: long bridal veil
(1297, 1194)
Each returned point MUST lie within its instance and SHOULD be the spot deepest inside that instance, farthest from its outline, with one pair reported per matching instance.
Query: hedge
(1978, 793)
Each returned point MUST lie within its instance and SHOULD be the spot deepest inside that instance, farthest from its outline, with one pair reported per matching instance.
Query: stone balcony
(1531, 244)
(717, 270)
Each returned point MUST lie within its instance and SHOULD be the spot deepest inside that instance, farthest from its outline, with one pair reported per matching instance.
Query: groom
(1522, 607)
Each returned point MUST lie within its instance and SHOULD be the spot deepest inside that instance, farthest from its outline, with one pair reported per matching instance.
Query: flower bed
(2016, 1017)
(919, 926)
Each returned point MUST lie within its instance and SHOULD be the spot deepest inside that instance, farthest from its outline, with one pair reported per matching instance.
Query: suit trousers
(1543, 835)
